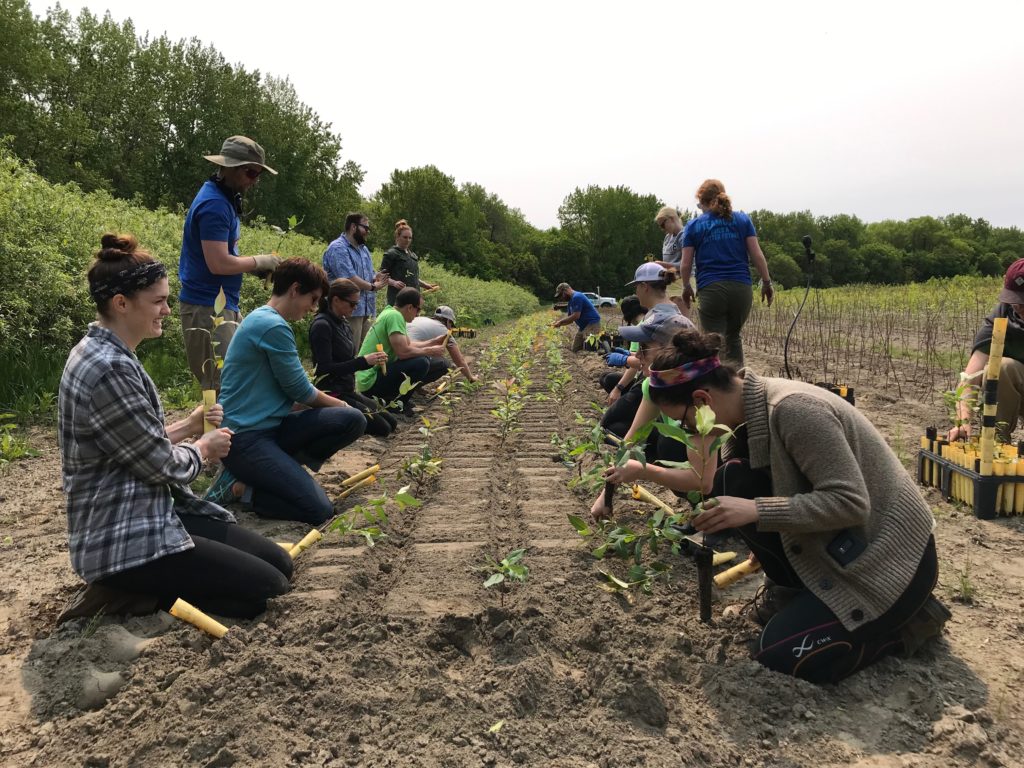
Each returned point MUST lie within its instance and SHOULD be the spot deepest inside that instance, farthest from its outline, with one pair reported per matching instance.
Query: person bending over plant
(421, 361)
(137, 534)
(835, 520)
(280, 420)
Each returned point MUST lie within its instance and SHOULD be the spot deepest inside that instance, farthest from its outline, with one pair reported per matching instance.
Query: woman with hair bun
(138, 536)
(722, 243)
(402, 265)
(828, 509)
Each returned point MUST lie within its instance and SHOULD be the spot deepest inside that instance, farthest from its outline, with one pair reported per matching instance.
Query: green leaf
(599, 552)
(676, 433)
(496, 727)
(580, 525)
(406, 386)
(293, 222)
(515, 556)
(220, 302)
(705, 420)
(404, 499)
(493, 579)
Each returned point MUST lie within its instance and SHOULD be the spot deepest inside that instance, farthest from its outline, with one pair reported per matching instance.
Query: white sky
(880, 109)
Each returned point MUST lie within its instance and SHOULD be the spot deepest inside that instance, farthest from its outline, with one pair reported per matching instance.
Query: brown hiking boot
(769, 599)
(93, 599)
(924, 625)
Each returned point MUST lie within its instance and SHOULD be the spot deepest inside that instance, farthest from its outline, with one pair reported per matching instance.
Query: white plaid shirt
(123, 477)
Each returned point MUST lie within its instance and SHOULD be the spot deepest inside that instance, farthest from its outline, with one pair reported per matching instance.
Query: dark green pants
(723, 308)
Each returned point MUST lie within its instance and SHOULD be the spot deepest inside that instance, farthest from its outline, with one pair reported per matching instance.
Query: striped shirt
(122, 476)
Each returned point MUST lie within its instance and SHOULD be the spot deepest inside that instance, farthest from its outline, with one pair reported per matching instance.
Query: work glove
(616, 359)
(621, 350)
(266, 262)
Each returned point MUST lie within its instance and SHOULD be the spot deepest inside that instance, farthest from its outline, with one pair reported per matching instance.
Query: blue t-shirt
(211, 217)
(262, 376)
(720, 247)
(588, 315)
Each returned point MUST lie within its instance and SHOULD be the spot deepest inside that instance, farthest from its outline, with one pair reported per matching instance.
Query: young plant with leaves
(510, 570)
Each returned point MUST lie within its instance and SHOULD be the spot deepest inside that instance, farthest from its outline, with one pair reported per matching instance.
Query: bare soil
(397, 655)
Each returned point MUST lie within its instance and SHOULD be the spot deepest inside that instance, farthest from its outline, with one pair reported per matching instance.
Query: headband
(684, 373)
(128, 281)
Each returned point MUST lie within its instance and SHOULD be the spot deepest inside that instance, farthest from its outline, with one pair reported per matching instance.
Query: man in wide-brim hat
(209, 255)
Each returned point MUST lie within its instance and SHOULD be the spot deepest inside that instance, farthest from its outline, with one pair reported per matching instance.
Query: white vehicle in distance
(601, 301)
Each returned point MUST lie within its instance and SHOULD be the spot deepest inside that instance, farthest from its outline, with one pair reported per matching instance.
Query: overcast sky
(880, 109)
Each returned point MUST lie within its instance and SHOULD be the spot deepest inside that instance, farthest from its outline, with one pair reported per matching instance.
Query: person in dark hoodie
(334, 355)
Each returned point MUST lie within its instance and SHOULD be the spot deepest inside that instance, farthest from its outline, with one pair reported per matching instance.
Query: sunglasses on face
(350, 302)
(253, 173)
(364, 226)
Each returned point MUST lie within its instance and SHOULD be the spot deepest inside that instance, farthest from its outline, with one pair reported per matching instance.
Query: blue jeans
(421, 370)
(269, 462)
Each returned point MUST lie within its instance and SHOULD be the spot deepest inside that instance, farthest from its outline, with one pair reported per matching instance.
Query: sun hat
(446, 312)
(659, 325)
(240, 150)
(648, 272)
(561, 289)
(1013, 284)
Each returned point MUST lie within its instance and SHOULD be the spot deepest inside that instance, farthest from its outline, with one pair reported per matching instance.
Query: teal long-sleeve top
(262, 376)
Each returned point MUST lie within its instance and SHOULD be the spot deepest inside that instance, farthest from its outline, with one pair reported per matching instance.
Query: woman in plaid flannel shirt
(134, 524)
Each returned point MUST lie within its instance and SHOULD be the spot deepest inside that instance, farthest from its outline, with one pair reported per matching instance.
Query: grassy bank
(48, 234)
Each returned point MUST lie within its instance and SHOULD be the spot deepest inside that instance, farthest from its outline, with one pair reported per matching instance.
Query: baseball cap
(659, 326)
(240, 150)
(446, 312)
(648, 272)
(1013, 284)
(561, 289)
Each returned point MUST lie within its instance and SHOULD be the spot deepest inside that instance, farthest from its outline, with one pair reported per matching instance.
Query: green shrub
(48, 234)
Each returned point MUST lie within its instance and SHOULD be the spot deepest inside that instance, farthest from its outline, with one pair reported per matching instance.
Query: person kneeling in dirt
(617, 383)
(1010, 392)
(137, 534)
(280, 420)
(841, 530)
(428, 328)
(333, 349)
(421, 361)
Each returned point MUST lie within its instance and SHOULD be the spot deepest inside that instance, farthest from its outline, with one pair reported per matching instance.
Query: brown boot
(769, 599)
(93, 599)
(924, 625)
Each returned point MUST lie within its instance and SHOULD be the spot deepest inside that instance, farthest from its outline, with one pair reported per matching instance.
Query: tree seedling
(511, 570)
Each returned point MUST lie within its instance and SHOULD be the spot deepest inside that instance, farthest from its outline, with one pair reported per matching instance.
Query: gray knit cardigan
(832, 470)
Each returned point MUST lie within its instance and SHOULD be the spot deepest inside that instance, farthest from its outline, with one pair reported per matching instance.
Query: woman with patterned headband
(822, 501)
(137, 535)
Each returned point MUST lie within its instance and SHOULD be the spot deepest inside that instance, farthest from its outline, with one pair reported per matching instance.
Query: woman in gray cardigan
(822, 501)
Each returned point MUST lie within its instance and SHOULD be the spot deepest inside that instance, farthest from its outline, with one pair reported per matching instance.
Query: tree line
(87, 100)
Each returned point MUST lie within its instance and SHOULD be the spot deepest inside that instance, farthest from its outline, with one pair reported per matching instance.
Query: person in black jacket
(330, 339)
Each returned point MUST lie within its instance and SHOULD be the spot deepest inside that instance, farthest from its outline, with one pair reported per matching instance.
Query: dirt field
(397, 656)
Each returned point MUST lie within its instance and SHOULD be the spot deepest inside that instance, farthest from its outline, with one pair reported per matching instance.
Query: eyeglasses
(253, 173)
(350, 302)
(364, 226)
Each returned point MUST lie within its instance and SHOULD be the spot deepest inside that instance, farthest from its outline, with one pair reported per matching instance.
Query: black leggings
(805, 639)
(380, 424)
(231, 571)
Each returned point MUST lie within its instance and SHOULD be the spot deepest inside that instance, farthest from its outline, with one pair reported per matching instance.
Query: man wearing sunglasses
(349, 257)
(209, 255)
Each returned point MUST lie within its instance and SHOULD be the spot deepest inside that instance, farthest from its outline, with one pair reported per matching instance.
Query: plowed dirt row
(397, 655)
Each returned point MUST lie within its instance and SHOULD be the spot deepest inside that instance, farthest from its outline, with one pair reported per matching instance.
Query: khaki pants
(581, 336)
(198, 332)
(723, 308)
(360, 327)
(1010, 395)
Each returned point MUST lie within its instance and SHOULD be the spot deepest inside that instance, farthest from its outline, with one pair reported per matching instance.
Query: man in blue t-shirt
(581, 312)
(209, 255)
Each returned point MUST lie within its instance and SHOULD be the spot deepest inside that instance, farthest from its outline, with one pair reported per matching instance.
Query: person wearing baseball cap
(209, 255)
(428, 328)
(1010, 394)
(580, 311)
